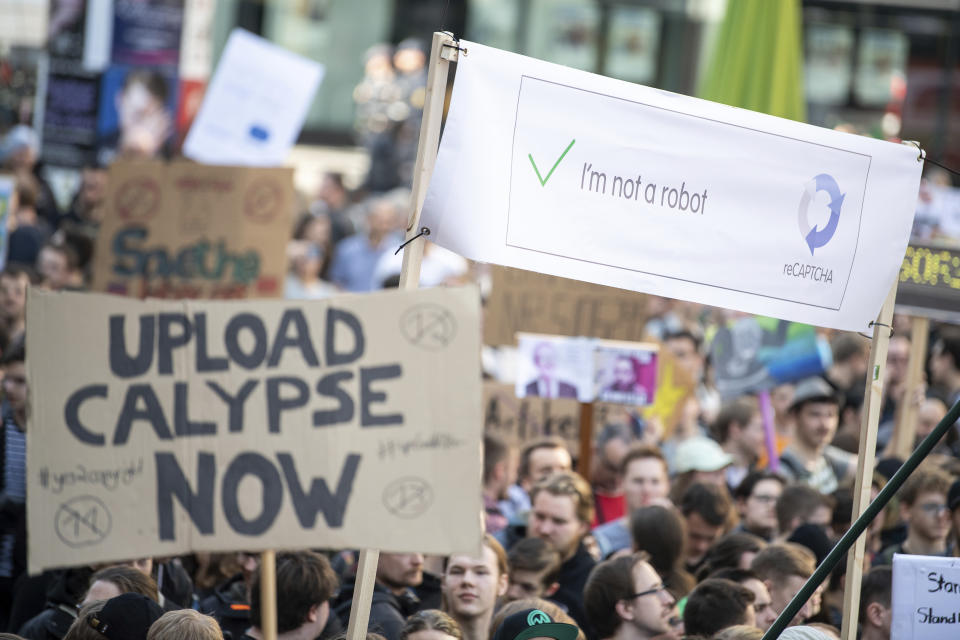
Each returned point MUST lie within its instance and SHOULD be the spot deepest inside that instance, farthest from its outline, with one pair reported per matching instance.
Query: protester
(699, 460)
(660, 532)
(57, 266)
(945, 366)
(472, 585)
(756, 498)
(739, 430)
(784, 568)
(811, 459)
(733, 551)
(355, 257)
(875, 611)
(645, 482)
(709, 514)
(14, 281)
(430, 624)
(499, 473)
(393, 597)
(230, 602)
(539, 460)
(609, 451)
(799, 505)
(13, 474)
(534, 623)
(528, 605)
(849, 367)
(305, 584)
(185, 624)
(561, 513)
(624, 599)
(762, 604)
(923, 506)
(113, 581)
(126, 617)
(717, 604)
(534, 569)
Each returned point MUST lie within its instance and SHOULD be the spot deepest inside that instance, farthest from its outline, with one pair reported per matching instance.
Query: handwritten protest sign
(522, 420)
(162, 427)
(183, 230)
(926, 598)
(525, 301)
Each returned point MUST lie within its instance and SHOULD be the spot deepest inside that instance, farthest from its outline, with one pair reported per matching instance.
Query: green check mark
(543, 181)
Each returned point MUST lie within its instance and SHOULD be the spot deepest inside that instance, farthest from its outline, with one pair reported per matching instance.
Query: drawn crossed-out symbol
(83, 521)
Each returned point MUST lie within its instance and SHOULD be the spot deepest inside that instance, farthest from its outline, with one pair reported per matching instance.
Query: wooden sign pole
(268, 595)
(443, 50)
(865, 460)
(905, 425)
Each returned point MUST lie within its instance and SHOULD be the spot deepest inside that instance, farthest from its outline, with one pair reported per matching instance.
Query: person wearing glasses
(923, 506)
(756, 499)
(625, 599)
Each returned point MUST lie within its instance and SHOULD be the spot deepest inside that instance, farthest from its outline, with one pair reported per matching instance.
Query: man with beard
(810, 459)
(471, 586)
(625, 600)
(561, 514)
(393, 596)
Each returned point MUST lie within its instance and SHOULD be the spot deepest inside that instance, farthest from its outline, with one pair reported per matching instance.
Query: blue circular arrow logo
(814, 237)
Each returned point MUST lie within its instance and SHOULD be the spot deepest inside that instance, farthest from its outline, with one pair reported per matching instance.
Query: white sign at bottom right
(926, 598)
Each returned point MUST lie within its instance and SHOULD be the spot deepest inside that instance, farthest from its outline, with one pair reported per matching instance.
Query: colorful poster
(147, 32)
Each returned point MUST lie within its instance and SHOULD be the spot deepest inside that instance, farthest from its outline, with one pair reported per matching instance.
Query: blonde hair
(185, 624)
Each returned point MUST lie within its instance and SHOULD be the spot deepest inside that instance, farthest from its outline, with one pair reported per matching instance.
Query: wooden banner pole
(443, 50)
(905, 424)
(268, 595)
(586, 440)
(865, 459)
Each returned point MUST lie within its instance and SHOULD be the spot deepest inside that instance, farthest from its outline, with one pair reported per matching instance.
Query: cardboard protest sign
(183, 230)
(756, 354)
(163, 427)
(924, 599)
(563, 172)
(525, 301)
(521, 420)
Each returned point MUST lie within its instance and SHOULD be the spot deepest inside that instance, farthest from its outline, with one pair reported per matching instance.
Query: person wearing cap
(625, 599)
(699, 460)
(534, 623)
(126, 617)
(709, 514)
(810, 459)
(924, 507)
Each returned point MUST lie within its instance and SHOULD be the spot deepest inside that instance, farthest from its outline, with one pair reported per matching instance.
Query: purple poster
(147, 32)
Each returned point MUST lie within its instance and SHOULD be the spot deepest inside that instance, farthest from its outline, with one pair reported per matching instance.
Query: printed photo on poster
(65, 29)
(147, 32)
(137, 113)
(625, 375)
(553, 367)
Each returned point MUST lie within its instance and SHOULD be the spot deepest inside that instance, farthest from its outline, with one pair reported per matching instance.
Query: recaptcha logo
(814, 236)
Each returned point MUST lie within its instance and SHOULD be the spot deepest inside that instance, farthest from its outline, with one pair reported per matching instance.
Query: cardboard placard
(924, 598)
(522, 420)
(525, 301)
(184, 230)
(160, 427)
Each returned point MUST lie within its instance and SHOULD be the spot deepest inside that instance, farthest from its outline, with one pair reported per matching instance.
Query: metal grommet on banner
(424, 231)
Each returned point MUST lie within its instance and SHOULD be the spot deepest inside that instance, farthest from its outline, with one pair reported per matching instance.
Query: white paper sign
(926, 598)
(255, 106)
(564, 172)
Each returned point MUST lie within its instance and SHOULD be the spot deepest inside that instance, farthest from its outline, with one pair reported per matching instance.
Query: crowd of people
(692, 531)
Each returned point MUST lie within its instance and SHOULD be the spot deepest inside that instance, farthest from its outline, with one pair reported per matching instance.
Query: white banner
(564, 172)
(925, 590)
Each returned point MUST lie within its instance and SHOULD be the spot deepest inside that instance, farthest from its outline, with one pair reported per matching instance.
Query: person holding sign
(305, 584)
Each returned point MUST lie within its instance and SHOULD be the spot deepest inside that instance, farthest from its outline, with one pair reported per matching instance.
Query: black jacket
(229, 606)
(573, 577)
(387, 611)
